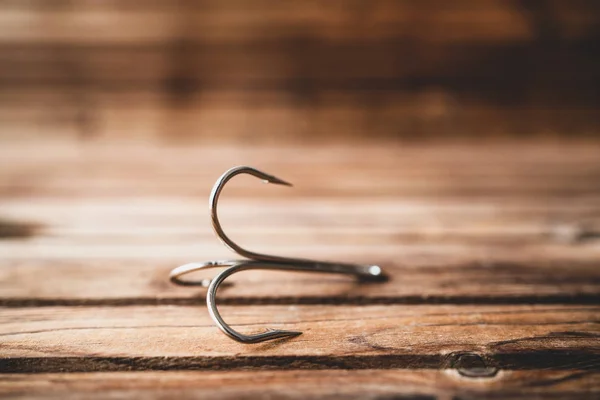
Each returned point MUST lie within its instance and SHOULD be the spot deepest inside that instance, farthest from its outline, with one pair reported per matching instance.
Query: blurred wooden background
(301, 70)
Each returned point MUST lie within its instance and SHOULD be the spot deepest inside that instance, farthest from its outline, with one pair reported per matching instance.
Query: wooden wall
(270, 70)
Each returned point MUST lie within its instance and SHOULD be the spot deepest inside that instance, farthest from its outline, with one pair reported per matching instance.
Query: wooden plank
(54, 184)
(465, 171)
(305, 223)
(456, 293)
(312, 67)
(490, 20)
(501, 156)
(84, 114)
(353, 384)
(86, 339)
(470, 21)
(104, 224)
(424, 281)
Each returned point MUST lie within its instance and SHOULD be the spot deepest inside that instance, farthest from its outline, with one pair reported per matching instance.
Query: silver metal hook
(248, 265)
(238, 266)
(258, 261)
(362, 271)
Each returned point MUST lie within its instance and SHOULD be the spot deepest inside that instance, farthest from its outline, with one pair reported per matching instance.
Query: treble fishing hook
(258, 261)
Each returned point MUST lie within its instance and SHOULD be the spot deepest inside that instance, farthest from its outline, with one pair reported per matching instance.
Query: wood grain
(353, 384)
(113, 282)
(450, 223)
(492, 254)
(144, 22)
(54, 339)
(117, 117)
(502, 171)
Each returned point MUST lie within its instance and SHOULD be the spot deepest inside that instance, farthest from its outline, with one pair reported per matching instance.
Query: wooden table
(493, 249)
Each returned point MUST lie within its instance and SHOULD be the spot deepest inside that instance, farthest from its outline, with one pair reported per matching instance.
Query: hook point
(283, 334)
(276, 181)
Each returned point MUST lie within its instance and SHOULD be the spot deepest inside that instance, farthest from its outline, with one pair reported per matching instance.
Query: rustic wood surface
(88, 338)
(397, 122)
(492, 249)
(421, 384)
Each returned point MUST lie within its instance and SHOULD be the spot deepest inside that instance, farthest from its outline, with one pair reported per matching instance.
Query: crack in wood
(518, 360)
(566, 299)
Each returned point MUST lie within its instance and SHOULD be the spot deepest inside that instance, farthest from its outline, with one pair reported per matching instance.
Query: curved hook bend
(365, 272)
(243, 265)
(214, 199)
(211, 303)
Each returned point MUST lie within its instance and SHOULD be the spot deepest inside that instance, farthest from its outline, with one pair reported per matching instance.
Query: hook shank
(369, 272)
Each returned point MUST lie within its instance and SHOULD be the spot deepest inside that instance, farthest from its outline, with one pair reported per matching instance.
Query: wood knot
(472, 365)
